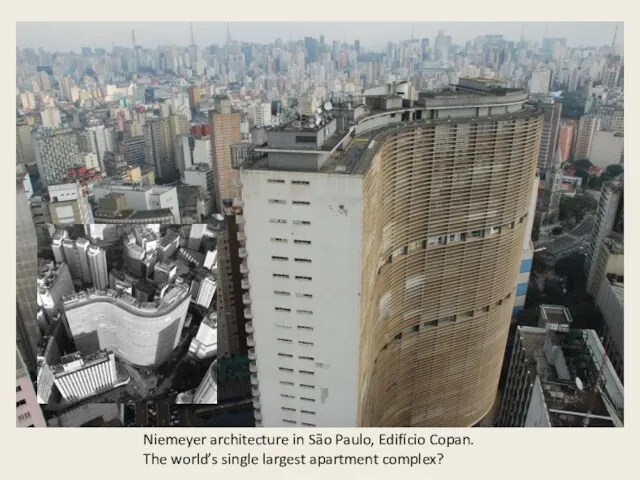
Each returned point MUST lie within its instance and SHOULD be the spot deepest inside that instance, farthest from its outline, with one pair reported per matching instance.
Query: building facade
(28, 412)
(55, 152)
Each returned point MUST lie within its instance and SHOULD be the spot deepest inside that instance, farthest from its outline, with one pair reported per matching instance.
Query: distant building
(142, 197)
(566, 139)
(587, 129)
(206, 292)
(225, 131)
(55, 152)
(540, 81)
(54, 282)
(68, 204)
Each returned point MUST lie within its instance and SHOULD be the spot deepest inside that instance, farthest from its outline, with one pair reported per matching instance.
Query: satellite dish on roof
(579, 384)
(328, 106)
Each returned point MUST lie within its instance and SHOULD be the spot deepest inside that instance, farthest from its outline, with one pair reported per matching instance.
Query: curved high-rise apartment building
(141, 333)
(382, 260)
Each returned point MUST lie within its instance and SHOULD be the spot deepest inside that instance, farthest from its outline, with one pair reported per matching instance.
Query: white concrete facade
(303, 237)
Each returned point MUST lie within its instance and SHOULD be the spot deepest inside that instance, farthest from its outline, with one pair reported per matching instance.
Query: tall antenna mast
(133, 38)
(615, 35)
(228, 32)
(192, 40)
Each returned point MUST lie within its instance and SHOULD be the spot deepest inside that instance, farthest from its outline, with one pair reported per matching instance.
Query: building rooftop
(576, 384)
(75, 361)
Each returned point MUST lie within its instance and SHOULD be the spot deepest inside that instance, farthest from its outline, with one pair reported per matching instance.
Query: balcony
(256, 403)
(248, 327)
(252, 354)
(251, 341)
(253, 367)
(242, 252)
(248, 314)
(241, 237)
(246, 299)
(255, 392)
(254, 379)
(239, 219)
(244, 268)
(245, 284)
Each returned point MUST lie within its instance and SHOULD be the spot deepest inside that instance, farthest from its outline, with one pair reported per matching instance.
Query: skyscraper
(540, 81)
(375, 295)
(550, 129)
(25, 153)
(587, 128)
(28, 332)
(97, 259)
(225, 131)
(55, 152)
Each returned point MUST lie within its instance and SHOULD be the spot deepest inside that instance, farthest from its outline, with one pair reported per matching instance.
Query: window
(284, 395)
(304, 295)
(277, 220)
(275, 180)
(306, 358)
(278, 240)
(20, 403)
(280, 275)
(18, 389)
(290, 422)
(283, 309)
(279, 259)
(302, 260)
(24, 416)
(304, 312)
(308, 412)
(306, 372)
(308, 424)
(277, 201)
(285, 340)
(299, 182)
(283, 369)
(298, 202)
(290, 384)
(301, 342)
(301, 222)
(286, 355)
(288, 409)
(281, 292)
(307, 399)
(301, 277)
(282, 325)
(304, 385)
(305, 139)
(302, 242)
(304, 327)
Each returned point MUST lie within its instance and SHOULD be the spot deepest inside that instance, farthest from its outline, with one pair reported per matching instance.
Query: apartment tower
(225, 131)
(376, 297)
(587, 129)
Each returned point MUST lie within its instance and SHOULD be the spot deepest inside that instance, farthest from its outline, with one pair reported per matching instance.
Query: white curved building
(141, 333)
(207, 391)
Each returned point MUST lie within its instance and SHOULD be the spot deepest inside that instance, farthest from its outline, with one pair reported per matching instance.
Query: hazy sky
(59, 36)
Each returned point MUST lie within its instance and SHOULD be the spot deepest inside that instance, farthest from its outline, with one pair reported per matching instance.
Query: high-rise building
(560, 377)
(344, 328)
(133, 150)
(566, 139)
(98, 139)
(139, 333)
(78, 377)
(28, 412)
(97, 259)
(552, 191)
(206, 292)
(540, 81)
(606, 246)
(162, 144)
(55, 152)
(587, 128)
(194, 98)
(225, 131)
(54, 282)
(68, 204)
(28, 331)
(25, 154)
(550, 128)
(50, 117)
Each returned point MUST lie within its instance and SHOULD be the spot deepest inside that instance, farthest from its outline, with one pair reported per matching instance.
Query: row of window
(301, 385)
(288, 294)
(279, 201)
(293, 397)
(300, 327)
(291, 370)
(285, 276)
(293, 182)
(286, 259)
(283, 221)
(300, 342)
(301, 311)
(289, 409)
(292, 422)
(300, 357)
(284, 240)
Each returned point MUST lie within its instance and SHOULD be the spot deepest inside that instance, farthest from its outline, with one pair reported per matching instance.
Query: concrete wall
(331, 330)
(537, 415)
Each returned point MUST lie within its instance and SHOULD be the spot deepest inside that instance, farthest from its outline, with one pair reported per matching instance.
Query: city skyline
(62, 36)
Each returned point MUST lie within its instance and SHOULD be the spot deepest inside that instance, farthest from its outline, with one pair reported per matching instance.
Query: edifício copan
(389, 439)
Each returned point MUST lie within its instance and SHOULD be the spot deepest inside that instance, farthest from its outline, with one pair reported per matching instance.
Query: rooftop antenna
(228, 32)
(412, 31)
(615, 35)
(192, 40)
(133, 38)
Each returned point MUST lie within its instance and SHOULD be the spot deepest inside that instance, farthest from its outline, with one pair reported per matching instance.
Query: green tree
(612, 171)
(577, 207)
(584, 164)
